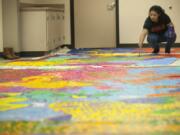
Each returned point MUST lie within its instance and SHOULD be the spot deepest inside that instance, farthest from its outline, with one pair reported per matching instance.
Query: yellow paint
(114, 128)
(117, 54)
(30, 63)
(113, 111)
(90, 128)
(12, 94)
(11, 102)
(78, 97)
(36, 63)
(44, 82)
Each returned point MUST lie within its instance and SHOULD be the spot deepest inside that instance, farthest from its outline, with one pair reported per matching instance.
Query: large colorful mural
(93, 91)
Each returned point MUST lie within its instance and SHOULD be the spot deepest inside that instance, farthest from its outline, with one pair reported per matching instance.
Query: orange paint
(165, 94)
(173, 76)
(166, 87)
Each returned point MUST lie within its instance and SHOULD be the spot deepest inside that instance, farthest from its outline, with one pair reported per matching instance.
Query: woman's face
(154, 16)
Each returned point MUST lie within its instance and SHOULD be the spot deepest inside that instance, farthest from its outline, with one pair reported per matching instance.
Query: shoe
(9, 54)
(167, 51)
(155, 52)
(13, 54)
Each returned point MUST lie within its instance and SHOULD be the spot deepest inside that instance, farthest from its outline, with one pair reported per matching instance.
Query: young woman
(159, 28)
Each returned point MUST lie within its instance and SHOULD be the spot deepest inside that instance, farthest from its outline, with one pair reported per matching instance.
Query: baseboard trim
(32, 53)
(69, 46)
(28, 54)
(38, 53)
(176, 45)
(1, 54)
(41, 53)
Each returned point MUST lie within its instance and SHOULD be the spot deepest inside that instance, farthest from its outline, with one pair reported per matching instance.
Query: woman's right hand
(142, 37)
(140, 45)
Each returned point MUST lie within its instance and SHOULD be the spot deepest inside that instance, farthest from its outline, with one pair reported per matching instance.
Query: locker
(41, 28)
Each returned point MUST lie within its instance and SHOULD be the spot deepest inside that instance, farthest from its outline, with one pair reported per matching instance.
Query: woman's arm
(171, 24)
(142, 37)
(171, 30)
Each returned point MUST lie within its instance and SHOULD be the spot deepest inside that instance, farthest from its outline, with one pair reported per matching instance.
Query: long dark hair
(160, 11)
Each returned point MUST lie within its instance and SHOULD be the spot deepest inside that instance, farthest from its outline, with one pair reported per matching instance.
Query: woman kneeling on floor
(158, 28)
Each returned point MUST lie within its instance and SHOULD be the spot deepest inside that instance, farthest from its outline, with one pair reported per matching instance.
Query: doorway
(95, 23)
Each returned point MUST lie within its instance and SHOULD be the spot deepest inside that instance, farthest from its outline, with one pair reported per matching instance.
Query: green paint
(109, 59)
(48, 96)
(166, 112)
(168, 100)
(95, 93)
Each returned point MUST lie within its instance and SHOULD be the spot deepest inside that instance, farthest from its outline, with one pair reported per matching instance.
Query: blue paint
(162, 62)
(30, 114)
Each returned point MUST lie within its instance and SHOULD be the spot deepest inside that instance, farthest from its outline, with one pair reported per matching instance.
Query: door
(95, 23)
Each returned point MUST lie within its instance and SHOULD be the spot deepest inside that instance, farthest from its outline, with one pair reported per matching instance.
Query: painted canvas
(91, 91)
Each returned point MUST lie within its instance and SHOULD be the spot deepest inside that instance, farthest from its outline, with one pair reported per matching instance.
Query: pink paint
(89, 74)
(104, 87)
(17, 75)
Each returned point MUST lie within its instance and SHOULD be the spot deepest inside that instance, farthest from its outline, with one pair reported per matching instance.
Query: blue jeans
(155, 39)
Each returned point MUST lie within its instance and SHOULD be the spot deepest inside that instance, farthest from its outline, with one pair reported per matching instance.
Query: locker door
(63, 27)
(58, 38)
(49, 30)
(60, 28)
(54, 38)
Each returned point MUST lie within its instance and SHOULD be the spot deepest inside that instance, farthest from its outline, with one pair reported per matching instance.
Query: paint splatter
(90, 91)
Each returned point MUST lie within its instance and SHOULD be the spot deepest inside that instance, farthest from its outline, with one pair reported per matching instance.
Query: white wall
(134, 12)
(67, 14)
(132, 16)
(11, 24)
(1, 28)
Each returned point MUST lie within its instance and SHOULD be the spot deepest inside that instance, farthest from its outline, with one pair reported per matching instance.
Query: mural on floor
(95, 91)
